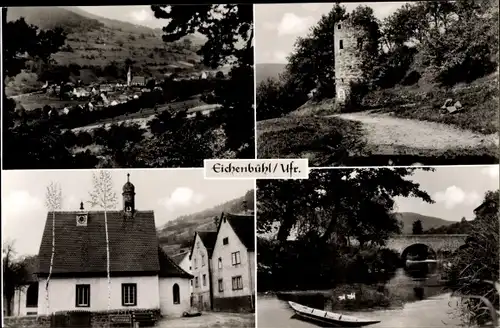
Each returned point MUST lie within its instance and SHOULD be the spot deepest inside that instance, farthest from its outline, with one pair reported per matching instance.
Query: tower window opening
(338, 26)
(360, 42)
(341, 44)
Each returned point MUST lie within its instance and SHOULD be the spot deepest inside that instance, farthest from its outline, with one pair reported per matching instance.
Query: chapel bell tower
(128, 197)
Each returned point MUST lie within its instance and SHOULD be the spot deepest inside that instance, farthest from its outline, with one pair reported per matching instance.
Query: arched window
(176, 292)
(32, 295)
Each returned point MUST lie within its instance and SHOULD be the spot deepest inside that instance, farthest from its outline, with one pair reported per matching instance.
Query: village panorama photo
(127, 86)
(378, 83)
(95, 249)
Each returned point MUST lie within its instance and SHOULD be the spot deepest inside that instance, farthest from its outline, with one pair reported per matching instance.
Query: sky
(169, 193)
(277, 26)
(141, 15)
(457, 191)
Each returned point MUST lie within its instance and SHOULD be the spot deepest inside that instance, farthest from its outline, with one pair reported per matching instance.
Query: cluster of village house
(218, 273)
(97, 96)
(222, 263)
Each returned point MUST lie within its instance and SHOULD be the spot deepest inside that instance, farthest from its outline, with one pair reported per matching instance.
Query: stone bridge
(437, 243)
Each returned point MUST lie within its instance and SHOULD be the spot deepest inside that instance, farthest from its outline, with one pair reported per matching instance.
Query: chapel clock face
(81, 219)
(128, 209)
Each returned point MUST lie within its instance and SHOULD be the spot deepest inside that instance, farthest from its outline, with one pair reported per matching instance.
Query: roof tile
(133, 243)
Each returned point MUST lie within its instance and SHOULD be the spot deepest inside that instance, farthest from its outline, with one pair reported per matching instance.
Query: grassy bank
(382, 155)
(323, 140)
(480, 101)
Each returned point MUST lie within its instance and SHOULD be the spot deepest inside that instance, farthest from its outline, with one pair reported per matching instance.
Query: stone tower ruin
(348, 44)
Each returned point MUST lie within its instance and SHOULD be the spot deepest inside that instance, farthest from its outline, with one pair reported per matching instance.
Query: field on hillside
(95, 42)
(38, 100)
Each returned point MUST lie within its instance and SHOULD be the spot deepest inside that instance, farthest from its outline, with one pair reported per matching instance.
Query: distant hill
(97, 41)
(264, 71)
(176, 235)
(461, 227)
(428, 222)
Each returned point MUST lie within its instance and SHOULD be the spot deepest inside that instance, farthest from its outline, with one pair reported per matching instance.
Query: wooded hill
(97, 41)
(177, 235)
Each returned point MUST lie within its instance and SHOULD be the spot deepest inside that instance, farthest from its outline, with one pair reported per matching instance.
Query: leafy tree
(187, 43)
(417, 228)
(363, 19)
(463, 51)
(21, 38)
(151, 84)
(474, 271)
(453, 39)
(225, 26)
(15, 275)
(269, 99)
(313, 59)
(36, 145)
(216, 220)
(337, 204)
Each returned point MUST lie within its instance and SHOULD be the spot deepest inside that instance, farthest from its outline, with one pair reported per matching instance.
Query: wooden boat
(330, 318)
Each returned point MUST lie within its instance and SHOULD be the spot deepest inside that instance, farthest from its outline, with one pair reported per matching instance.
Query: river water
(425, 304)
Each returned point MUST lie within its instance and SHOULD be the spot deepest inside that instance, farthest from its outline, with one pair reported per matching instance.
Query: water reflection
(415, 282)
(405, 291)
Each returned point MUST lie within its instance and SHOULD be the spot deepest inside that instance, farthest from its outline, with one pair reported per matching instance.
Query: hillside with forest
(177, 235)
(103, 45)
(428, 222)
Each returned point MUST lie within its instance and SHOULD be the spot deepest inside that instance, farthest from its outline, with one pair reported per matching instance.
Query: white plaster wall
(167, 306)
(186, 266)
(19, 303)
(62, 293)
(251, 269)
(228, 270)
(200, 270)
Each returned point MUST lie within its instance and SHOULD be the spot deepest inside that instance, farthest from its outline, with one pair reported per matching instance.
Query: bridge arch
(418, 251)
(440, 244)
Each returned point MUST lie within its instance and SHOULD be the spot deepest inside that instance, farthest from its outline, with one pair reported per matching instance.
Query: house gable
(168, 268)
(233, 263)
(206, 240)
(133, 244)
(243, 226)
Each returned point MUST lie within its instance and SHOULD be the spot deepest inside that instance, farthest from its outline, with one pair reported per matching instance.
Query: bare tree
(14, 273)
(104, 197)
(53, 201)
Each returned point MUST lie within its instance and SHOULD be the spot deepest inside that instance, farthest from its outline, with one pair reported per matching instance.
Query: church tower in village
(128, 197)
(348, 46)
(129, 76)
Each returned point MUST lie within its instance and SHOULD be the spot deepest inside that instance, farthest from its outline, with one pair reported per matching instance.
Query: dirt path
(388, 132)
(211, 320)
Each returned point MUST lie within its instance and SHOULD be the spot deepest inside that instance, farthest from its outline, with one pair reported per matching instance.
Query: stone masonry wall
(27, 322)
(234, 304)
(97, 319)
(347, 59)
